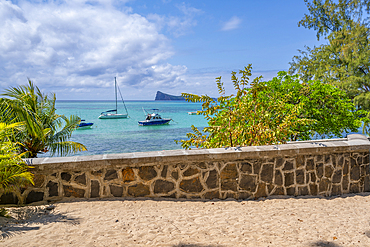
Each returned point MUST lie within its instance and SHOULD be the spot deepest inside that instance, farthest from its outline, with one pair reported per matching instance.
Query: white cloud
(178, 25)
(231, 24)
(76, 44)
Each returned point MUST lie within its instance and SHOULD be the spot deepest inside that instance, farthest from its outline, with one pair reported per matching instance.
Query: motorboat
(154, 119)
(113, 114)
(192, 112)
(84, 125)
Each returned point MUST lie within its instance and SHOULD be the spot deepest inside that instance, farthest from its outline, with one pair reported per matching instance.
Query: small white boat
(113, 114)
(154, 119)
(193, 113)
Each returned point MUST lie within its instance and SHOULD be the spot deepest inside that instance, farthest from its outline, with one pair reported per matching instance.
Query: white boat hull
(113, 116)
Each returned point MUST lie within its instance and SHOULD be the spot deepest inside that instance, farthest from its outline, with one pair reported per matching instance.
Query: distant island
(163, 96)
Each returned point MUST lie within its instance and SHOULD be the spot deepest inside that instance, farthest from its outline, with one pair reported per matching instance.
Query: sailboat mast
(115, 89)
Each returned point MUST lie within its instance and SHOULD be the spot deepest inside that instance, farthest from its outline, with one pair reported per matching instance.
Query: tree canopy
(43, 129)
(13, 170)
(273, 112)
(344, 61)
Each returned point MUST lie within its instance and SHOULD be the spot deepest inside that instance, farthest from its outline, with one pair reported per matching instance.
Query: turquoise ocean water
(125, 135)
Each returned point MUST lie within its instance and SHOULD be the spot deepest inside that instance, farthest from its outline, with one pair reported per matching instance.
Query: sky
(75, 48)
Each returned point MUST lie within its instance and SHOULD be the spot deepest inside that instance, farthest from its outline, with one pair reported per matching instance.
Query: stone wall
(322, 167)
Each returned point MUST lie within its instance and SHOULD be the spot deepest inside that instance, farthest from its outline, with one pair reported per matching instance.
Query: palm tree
(13, 170)
(43, 130)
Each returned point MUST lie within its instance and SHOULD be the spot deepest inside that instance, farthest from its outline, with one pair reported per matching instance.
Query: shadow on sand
(20, 218)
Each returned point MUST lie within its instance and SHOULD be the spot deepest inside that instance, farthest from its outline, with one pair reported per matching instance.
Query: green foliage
(345, 60)
(330, 108)
(13, 170)
(273, 112)
(43, 130)
(332, 16)
(254, 116)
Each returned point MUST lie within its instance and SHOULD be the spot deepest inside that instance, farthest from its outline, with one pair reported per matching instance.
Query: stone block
(191, 185)
(353, 162)
(288, 165)
(244, 195)
(320, 170)
(334, 160)
(364, 170)
(202, 165)
(355, 173)
(163, 186)
(270, 188)
(147, 173)
(246, 167)
(66, 176)
(267, 173)
(211, 195)
(34, 196)
(95, 189)
(138, 190)
(310, 164)
(318, 158)
(110, 175)
(248, 182)
(8, 198)
(116, 191)
(71, 191)
(81, 179)
(175, 175)
(303, 191)
(327, 159)
(359, 160)
(345, 182)
(336, 190)
(337, 177)
(328, 172)
(53, 188)
(229, 176)
(346, 167)
(279, 161)
(313, 189)
(279, 191)
(190, 172)
(354, 188)
(97, 173)
(212, 180)
(300, 176)
(340, 161)
(278, 178)
(289, 179)
(324, 185)
(261, 190)
(300, 161)
(312, 177)
(256, 167)
(231, 195)
(290, 191)
(164, 171)
(365, 159)
(367, 184)
(38, 180)
(128, 175)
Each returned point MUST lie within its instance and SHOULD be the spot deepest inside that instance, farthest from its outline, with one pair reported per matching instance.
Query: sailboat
(113, 114)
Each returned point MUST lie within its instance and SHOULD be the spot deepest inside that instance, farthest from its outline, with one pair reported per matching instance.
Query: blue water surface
(125, 135)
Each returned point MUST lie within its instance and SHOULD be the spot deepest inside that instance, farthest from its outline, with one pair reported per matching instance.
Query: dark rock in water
(163, 96)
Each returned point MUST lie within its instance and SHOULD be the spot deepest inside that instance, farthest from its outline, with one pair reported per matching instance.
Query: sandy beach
(298, 221)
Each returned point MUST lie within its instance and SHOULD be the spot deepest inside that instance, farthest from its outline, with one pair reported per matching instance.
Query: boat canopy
(109, 111)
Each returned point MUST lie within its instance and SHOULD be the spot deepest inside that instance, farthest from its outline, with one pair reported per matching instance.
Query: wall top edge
(352, 142)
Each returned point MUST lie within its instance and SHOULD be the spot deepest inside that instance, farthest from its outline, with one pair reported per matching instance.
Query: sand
(299, 221)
